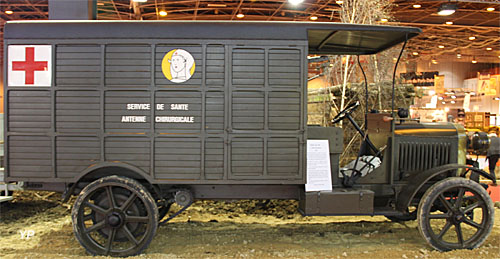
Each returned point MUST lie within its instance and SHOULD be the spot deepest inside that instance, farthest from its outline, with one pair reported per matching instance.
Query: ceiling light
(339, 2)
(459, 55)
(440, 98)
(447, 9)
(313, 18)
(295, 2)
(449, 23)
(472, 37)
(490, 9)
(452, 102)
(139, 1)
(453, 97)
(474, 61)
(434, 61)
(163, 13)
(416, 6)
(415, 53)
(488, 48)
(441, 46)
(216, 5)
(240, 15)
(443, 102)
(9, 12)
(384, 20)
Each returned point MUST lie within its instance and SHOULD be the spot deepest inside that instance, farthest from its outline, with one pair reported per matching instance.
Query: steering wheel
(348, 110)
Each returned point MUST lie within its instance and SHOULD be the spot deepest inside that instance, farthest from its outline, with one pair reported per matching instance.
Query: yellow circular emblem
(178, 65)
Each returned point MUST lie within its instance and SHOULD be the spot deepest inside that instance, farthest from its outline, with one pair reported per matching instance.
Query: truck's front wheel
(114, 216)
(455, 213)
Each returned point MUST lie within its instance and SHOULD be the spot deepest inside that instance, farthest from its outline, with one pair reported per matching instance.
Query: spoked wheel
(455, 213)
(114, 216)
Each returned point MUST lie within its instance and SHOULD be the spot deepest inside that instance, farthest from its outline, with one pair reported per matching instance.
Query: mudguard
(418, 180)
(135, 171)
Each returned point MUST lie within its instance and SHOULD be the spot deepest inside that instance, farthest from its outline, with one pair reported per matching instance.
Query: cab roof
(323, 38)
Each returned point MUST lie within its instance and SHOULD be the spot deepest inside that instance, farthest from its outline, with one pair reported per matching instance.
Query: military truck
(132, 117)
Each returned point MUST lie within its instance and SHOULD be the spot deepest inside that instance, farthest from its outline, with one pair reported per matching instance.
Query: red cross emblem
(29, 65)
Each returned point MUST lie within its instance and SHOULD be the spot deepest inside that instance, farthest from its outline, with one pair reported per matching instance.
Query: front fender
(418, 180)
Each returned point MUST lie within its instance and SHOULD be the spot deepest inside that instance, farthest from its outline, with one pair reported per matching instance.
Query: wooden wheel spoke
(87, 217)
(101, 224)
(444, 230)
(128, 202)
(138, 219)
(438, 216)
(472, 223)
(472, 206)
(109, 243)
(111, 197)
(460, 197)
(129, 235)
(446, 203)
(460, 236)
(95, 208)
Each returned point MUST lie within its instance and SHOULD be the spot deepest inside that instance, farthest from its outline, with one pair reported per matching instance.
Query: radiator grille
(418, 156)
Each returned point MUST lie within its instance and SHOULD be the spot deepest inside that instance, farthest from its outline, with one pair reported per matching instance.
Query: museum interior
(237, 134)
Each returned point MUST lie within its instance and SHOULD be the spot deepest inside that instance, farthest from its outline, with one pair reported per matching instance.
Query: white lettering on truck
(179, 107)
(133, 118)
(159, 107)
(174, 119)
(138, 106)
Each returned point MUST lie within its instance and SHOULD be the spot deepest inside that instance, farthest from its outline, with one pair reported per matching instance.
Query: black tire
(459, 203)
(117, 228)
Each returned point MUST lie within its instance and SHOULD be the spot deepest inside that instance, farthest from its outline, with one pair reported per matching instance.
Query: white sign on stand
(319, 177)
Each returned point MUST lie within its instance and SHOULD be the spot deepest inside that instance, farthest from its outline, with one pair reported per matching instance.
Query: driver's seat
(378, 131)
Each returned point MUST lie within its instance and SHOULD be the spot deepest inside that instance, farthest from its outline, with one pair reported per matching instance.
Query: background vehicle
(134, 116)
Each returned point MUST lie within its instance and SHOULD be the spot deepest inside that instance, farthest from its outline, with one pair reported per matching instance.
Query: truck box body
(235, 113)
(240, 117)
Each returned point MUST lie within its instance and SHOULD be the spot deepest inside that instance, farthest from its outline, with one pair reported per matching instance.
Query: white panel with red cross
(29, 65)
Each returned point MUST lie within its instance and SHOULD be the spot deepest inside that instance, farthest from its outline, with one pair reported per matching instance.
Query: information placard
(319, 177)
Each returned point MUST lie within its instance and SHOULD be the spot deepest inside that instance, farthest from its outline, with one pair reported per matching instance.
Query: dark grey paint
(340, 38)
(246, 97)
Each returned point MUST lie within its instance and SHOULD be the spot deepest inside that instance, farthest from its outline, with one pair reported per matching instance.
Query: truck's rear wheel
(455, 213)
(114, 216)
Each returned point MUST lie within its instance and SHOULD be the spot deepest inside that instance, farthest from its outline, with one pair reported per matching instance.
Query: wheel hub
(457, 217)
(114, 219)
